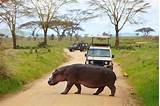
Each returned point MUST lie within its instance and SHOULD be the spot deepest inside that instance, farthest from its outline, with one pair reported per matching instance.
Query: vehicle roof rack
(107, 44)
(96, 44)
(101, 37)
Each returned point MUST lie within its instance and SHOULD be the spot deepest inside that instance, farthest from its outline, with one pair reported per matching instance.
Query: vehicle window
(98, 53)
(79, 44)
(75, 45)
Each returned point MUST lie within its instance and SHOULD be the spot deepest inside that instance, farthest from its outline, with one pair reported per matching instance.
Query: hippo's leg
(68, 87)
(79, 88)
(99, 90)
(113, 89)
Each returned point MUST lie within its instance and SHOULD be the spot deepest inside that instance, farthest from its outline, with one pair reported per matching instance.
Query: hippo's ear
(55, 72)
(59, 71)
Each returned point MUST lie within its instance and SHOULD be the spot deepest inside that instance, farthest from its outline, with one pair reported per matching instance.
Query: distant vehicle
(78, 46)
(100, 54)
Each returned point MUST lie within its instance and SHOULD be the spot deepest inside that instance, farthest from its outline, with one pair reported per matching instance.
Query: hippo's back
(92, 76)
(90, 68)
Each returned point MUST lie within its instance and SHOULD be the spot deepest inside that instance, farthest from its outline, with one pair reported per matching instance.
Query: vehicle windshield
(98, 53)
(75, 45)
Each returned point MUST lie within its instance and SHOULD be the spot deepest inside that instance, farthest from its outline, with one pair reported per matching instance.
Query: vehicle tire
(71, 50)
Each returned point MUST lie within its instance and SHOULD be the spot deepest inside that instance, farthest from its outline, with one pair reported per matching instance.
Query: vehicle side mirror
(85, 55)
(112, 56)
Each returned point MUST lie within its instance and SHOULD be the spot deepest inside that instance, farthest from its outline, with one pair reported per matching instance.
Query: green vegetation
(21, 66)
(138, 57)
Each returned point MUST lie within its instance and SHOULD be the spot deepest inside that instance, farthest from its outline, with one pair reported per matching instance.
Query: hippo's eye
(55, 70)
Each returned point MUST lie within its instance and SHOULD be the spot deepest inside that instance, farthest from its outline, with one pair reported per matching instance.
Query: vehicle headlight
(91, 62)
(108, 62)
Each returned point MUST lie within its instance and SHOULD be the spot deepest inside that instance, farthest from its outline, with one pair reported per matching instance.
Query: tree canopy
(59, 26)
(145, 30)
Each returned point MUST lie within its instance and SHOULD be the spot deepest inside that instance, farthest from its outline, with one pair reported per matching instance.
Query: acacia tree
(78, 16)
(10, 11)
(46, 10)
(61, 27)
(33, 25)
(145, 31)
(120, 12)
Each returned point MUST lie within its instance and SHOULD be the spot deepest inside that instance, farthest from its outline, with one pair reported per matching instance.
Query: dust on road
(41, 94)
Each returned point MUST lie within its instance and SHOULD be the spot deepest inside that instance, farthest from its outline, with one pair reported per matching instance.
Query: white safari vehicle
(100, 53)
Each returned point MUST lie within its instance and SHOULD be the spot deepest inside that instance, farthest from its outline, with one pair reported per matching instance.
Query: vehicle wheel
(71, 50)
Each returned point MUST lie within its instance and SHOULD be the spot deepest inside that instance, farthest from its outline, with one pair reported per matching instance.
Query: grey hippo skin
(88, 75)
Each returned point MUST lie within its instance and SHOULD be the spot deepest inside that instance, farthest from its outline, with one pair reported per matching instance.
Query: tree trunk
(45, 36)
(63, 34)
(77, 37)
(34, 38)
(70, 37)
(33, 34)
(14, 38)
(117, 37)
(60, 37)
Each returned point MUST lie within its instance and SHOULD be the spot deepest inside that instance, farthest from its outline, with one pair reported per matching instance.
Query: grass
(25, 66)
(138, 57)
(141, 64)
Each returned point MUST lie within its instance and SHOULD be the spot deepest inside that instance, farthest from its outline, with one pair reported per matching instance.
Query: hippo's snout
(52, 82)
(49, 82)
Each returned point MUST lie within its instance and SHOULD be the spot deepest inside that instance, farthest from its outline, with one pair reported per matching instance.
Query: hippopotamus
(90, 76)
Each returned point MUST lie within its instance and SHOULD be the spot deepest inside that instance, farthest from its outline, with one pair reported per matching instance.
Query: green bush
(4, 71)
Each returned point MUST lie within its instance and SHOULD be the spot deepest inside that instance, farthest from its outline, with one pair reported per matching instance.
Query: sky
(102, 24)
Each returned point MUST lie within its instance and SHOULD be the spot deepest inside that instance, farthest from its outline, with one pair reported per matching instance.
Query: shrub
(127, 47)
(4, 71)
(42, 45)
(24, 47)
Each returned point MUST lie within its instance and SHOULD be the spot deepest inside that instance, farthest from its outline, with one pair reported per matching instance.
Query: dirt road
(41, 94)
